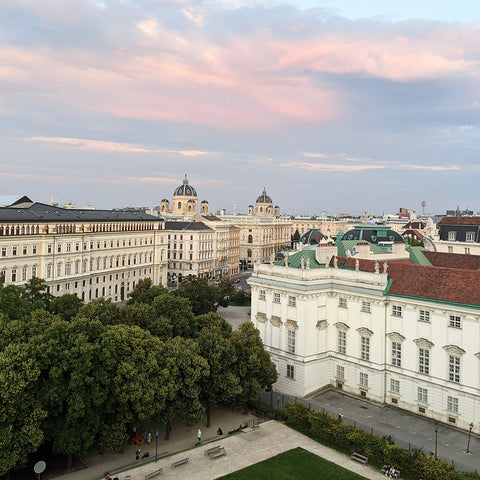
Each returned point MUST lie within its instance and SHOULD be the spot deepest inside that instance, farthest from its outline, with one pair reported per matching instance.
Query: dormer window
(452, 236)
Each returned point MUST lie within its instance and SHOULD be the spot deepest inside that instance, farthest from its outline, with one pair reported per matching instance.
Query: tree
(187, 369)
(66, 306)
(141, 383)
(145, 317)
(20, 411)
(74, 383)
(100, 309)
(13, 302)
(145, 292)
(36, 293)
(178, 311)
(295, 238)
(225, 289)
(202, 296)
(222, 385)
(254, 366)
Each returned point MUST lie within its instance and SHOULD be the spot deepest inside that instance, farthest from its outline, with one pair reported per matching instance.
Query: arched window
(179, 205)
(249, 253)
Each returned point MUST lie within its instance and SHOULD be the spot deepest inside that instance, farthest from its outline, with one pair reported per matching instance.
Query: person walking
(199, 435)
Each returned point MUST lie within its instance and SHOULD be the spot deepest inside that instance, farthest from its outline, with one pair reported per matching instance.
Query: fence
(278, 400)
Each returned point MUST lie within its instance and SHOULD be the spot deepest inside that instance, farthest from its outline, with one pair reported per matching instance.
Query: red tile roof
(460, 221)
(453, 285)
(453, 260)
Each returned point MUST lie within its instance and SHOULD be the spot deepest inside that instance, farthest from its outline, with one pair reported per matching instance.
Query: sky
(336, 105)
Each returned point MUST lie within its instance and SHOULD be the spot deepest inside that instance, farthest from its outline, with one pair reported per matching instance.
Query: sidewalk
(243, 449)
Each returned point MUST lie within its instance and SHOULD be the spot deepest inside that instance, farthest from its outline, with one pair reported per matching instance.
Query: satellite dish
(40, 467)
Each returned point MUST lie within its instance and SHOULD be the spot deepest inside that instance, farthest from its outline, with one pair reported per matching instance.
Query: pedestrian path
(249, 446)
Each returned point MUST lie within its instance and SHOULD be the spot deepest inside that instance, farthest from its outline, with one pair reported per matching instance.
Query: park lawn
(296, 464)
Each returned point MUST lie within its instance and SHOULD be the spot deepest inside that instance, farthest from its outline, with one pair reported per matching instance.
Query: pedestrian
(137, 454)
(199, 435)
(149, 438)
(219, 431)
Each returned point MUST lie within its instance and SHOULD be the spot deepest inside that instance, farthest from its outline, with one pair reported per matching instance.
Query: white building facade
(357, 325)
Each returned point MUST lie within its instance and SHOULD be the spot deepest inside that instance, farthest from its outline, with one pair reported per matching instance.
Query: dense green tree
(254, 366)
(100, 309)
(222, 385)
(145, 317)
(13, 302)
(178, 312)
(295, 238)
(225, 290)
(20, 412)
(187, 369)
(211, 320)
(36, 293)
(145, 292)
(74, 383)
(66, 306)
(141, 383)
(202, 296)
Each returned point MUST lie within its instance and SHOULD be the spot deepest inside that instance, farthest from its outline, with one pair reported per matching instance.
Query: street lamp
(156, 444)
(436, 441)
(469, 434)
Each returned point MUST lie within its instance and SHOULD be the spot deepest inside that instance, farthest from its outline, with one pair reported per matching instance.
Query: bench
(396, 474)
(153, 474)
(359, 458)
(218, 453)
(213, 449)
(180, 462)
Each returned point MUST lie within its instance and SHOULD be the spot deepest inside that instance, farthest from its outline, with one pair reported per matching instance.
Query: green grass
(296, 464)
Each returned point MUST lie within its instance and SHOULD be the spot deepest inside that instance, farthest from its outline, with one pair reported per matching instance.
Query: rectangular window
(24, 273)
(452, 236)
(424, 361)
(34, 249)
(342, 342)
(454, 368)
(340, 372)
(49, 248)
(69, 247)
(68, 269)
(365, 348)
(452, 404)
(424, 316)
(290, 371)
(395, 386)
(450, 249)
(4, 251)
(276, 298)
(366, 307)
(292, 301)
(59, 248)
(467, 250)
(24, 250)
(422, 395)
(34, 271)
(470, 237)
(364, 380)
(396, 311)
(397, 354)
(14, 275)
(14, 250)
(454, 321)
(291, 341)
(342, 302)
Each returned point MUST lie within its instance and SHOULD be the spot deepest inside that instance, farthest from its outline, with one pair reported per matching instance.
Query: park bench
(396, 474)
(153, 474)
(359, 458)
(180, 462)
(213, 449)
(218, 453)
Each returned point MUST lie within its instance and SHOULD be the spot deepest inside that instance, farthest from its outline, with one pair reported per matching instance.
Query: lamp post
(156, 444)
(469, 434)
(436, 441)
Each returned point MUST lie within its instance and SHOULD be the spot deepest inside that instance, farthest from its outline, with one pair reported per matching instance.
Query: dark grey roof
(185, 190)
(212, 218)
(264, 198)
(164, 200)
(204, 201)
(186, 226)
(312, 237)
(41, 212)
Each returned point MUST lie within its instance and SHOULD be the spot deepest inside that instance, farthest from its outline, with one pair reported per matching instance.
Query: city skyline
(326, 105)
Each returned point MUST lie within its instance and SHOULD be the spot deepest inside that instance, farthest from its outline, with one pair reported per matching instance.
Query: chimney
(325, 252)
(363, 250)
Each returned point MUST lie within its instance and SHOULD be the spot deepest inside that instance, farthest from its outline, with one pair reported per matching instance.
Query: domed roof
(373, 234)
(185, 190)
(191, 201)
(312, 237)
(204, 201)
(264, 198)
(164, 200)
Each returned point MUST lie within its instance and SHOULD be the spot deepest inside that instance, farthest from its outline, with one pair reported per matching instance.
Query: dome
(264, 198)
(312, 237)
(185, 190)
(191, 201)
(372, 234)
(203, 202)
(164, 200)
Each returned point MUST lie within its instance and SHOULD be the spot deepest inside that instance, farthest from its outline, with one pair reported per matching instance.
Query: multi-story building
(398, 329)
(90, 253)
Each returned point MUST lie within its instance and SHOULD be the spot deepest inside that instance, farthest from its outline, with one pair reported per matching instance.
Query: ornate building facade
(90, 253)
(395, 328)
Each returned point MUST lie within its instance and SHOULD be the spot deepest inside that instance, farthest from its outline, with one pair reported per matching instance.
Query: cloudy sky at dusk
(346, 105)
